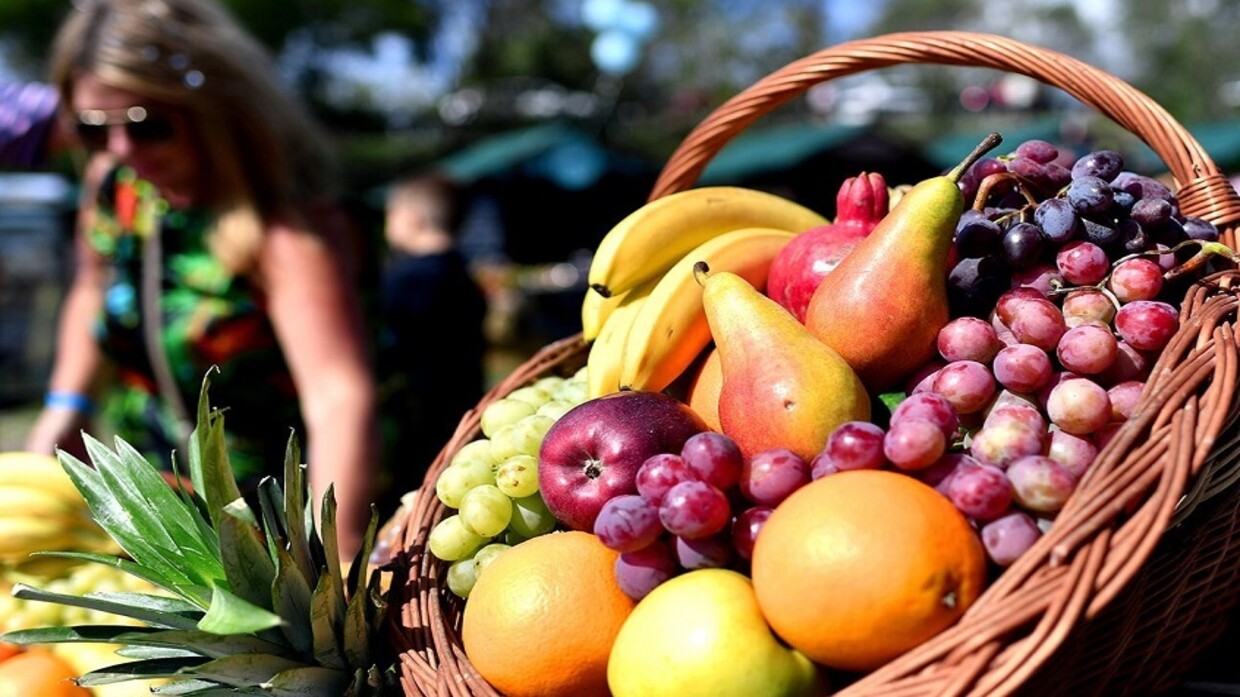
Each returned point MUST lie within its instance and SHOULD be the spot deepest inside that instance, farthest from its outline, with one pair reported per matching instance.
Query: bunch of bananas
(643, 309)
(42, 511)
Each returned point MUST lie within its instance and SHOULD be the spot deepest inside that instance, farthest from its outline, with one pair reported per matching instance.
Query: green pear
(781, 387)
(702, 633)
(883, 306)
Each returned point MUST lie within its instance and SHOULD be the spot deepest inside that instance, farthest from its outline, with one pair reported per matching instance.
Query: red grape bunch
(696, 509)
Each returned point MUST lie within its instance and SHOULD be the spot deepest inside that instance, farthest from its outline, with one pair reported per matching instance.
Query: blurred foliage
(1181, 52)
(29, 26)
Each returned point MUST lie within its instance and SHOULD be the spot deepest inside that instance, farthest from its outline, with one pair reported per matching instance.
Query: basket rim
(1202, 188)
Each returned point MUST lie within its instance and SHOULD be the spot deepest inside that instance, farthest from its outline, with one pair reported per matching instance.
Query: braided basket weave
(1140, 572)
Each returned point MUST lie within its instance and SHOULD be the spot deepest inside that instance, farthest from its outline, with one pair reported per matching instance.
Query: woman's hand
(58, 427)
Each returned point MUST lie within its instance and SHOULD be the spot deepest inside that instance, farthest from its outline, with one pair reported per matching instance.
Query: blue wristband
(69, 400)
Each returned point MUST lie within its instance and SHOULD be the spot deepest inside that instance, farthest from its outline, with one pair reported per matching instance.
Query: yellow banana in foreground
(671, 330)
(652, 238)
(594, 312)
(606, 356)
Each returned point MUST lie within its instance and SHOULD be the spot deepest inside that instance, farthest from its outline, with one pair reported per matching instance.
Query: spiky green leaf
(209, 467)
(204, 688)
(144, 490)
(146, 653)
(326, 617)
(294, 511)
(290, 598)
(243, 670)
(152, 609)
(275, 526)
(197, 595)
(82, 634)
(200, 688)
(205, 643)
(111, 514)
(139, 670)
(230, 614)
(314, 681)
(361, 563)
(247, 566)
(356, 629)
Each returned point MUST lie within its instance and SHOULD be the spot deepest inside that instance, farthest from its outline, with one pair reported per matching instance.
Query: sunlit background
(558, 114)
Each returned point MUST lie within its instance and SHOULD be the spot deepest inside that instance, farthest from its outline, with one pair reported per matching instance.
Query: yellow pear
(782, 388)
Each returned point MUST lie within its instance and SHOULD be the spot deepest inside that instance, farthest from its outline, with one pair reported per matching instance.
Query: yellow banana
(607, 354)
(21, 535)
(652, 238)
(38, 471)
(670, 330)
(594, 312)
(23, 500)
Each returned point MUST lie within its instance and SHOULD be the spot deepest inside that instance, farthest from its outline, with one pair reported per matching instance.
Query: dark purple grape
(1151, 212)
(987, 166)
(968, 186)
(1142, 186)
(1103, 164)
(1089, 195)
(1122, 200)
(1058, 220)
(1170, 233)
(1030, 169)
(1057, 176)
(1200, 229)
(1037, 150)
(975, 284)
(1023, 244)
(1133, 236)
(1100, 234)
(977, 238)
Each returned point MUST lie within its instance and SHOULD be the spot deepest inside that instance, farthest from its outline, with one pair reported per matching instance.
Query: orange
(542, 617)
(8, 650)
(703, 397)
(858, 567)
(38, 673)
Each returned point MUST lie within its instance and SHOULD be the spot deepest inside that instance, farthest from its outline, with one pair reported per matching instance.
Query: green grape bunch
(492, 482)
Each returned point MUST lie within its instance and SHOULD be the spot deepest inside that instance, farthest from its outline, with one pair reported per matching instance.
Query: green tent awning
(773, 149)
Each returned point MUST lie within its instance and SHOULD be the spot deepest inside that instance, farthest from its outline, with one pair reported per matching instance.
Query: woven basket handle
(1203, 191)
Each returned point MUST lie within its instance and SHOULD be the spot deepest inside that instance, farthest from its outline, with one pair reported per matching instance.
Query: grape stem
(992, 180)
(1204, 254)
(1198, 260)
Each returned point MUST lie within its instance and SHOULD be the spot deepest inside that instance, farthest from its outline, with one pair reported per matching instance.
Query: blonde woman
(213, 242)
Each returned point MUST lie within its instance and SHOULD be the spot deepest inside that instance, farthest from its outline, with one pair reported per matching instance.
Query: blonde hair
(263, 156)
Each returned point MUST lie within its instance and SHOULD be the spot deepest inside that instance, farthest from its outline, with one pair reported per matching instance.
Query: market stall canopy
(566, 156)
(808, 161)
(946, 152)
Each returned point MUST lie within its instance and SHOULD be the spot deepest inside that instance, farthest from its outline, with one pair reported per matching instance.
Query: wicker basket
(1142, 569)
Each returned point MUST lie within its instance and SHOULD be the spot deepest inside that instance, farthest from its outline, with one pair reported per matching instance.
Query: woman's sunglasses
(142, 127)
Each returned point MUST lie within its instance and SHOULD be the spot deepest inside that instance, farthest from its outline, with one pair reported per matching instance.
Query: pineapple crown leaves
(256, 604)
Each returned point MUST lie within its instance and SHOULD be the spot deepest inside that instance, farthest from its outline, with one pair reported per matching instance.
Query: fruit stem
(700, 269)
(1198, 260)
(990, 142)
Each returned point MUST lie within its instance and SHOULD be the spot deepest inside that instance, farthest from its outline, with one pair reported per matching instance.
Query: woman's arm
(318, 322)
(77, 354)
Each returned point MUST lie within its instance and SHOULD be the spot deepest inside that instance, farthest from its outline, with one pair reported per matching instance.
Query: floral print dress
(209, 319)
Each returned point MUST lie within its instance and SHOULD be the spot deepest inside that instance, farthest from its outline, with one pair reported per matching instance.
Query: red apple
(593, 452)
(802, 264)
